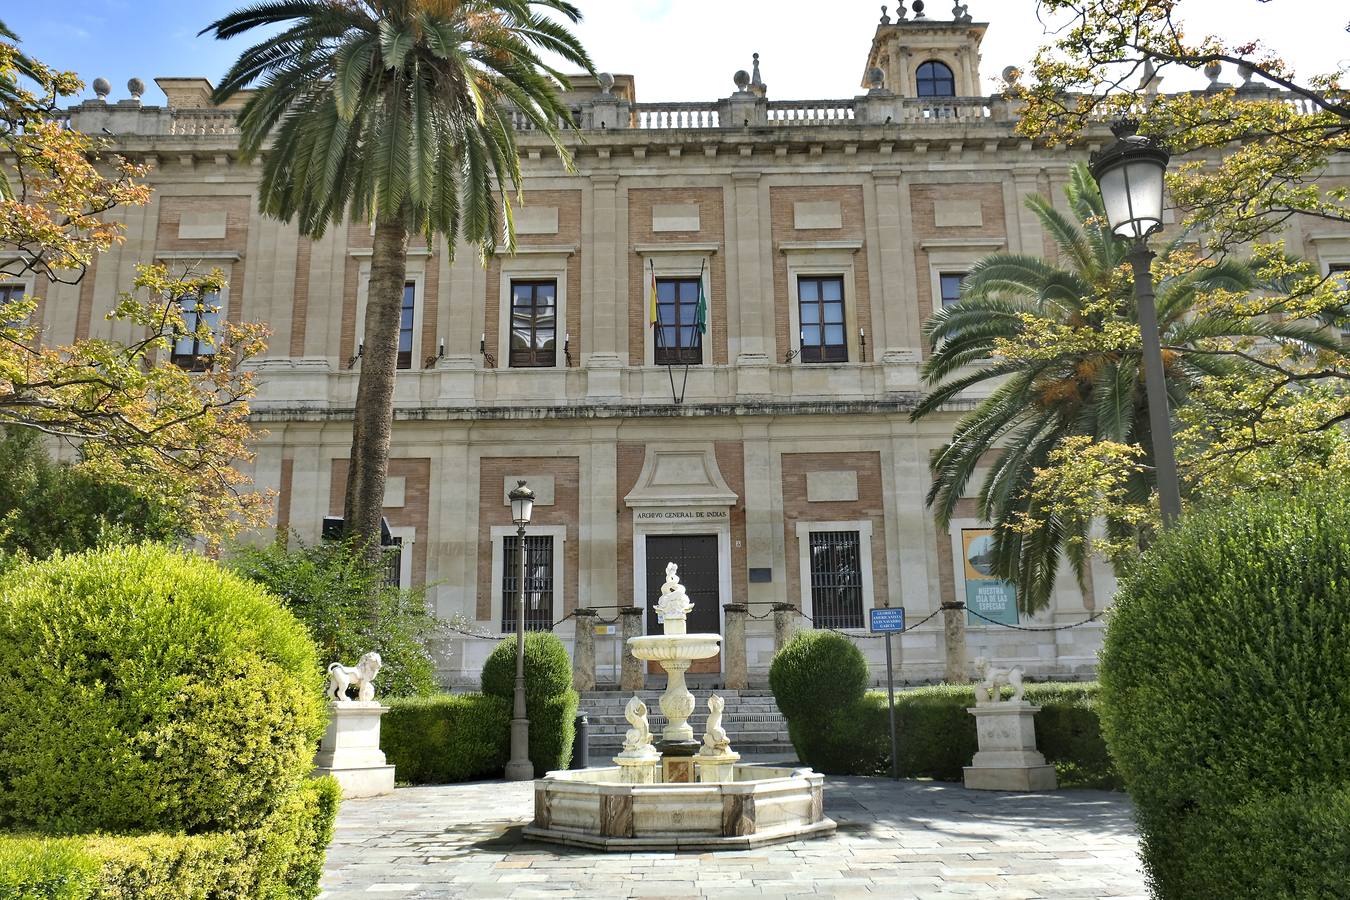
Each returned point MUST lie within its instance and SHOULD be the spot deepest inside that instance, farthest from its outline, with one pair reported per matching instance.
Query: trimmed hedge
(149, 690)
(549, 698)
(1224, 695)
(839, 728)
(283, 858)
(446, 738)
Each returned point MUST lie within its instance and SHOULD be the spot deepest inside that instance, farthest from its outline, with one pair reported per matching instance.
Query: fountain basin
(674, 647)
(761, 805)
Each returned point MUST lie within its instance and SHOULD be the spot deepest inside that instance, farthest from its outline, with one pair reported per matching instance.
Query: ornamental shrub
(1224, 685)
(150, 690)
(549, 698)
(446, 738)
(818, 673)
(282, 859)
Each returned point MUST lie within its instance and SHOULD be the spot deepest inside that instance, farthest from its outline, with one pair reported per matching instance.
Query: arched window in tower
(935, 79)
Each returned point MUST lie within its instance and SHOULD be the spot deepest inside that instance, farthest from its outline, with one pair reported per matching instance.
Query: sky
(676, 49)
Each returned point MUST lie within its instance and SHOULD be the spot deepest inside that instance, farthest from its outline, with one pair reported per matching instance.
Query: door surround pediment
(684, 475)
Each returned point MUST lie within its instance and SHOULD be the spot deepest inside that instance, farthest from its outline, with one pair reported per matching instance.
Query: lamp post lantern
(1130, 175)
(519, 768)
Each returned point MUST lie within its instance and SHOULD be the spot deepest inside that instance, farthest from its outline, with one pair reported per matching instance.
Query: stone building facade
(819, 234)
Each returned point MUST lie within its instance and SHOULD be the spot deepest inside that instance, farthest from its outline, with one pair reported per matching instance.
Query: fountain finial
(674, 604)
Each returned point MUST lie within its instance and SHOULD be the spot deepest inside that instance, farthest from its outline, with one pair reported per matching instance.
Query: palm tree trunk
(373, 420)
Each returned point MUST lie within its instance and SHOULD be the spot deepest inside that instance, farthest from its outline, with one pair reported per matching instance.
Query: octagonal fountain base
(762, 805)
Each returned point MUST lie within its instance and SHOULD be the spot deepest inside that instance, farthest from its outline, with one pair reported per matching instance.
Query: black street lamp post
(519, 767)
(1130, 174)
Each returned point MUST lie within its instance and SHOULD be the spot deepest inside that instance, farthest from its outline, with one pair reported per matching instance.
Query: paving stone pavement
(898, 840)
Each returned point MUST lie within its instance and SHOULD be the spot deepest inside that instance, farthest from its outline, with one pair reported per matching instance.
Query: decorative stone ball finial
(918, 10)
(1246, 71)
(102, 88)
(1011, 75)
(742, 79)
(900, 11)
(606, 81)
(1212, 71)
(885, 19)
(136, 87)
(876, 78)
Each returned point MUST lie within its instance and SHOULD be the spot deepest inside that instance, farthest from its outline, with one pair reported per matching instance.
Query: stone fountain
(677, 793)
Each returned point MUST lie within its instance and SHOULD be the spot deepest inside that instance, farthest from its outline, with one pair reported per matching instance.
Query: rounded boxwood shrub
(817, 673)
(149, 690)
(548, 669)
(1224, 673)
(549, 698)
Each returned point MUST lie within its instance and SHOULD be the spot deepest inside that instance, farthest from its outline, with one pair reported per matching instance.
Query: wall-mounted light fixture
(482, 348)
(360, 351)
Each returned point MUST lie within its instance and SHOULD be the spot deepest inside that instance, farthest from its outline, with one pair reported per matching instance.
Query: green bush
(549, 698)
(149, 690)
(283, 858)
(343, 600)
(1224, 681)
(818, 673)
(446, 738)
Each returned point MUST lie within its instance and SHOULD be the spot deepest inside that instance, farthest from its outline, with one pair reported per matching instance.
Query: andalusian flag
(701, 312)
(652, 314)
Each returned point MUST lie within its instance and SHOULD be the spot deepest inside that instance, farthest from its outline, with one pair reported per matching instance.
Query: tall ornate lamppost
(1130, 175)
(519, 768)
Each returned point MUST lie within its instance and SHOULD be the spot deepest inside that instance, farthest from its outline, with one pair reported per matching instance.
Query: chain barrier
(1094, 617)
(867, 636)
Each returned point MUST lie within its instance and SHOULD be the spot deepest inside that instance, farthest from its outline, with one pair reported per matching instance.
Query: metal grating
(836, 579)
(538, 582)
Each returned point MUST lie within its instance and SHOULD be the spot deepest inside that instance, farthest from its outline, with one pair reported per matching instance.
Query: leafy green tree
(328, 587)
(47, 507)
(1055, 349)
(398, 112)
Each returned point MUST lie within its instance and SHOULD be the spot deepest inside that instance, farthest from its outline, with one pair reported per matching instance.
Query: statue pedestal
(638, 769)
(350, 750)
(715, 768)
(1008, 759)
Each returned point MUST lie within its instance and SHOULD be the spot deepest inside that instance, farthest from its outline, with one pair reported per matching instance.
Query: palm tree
(1035, 402)
(396, 112)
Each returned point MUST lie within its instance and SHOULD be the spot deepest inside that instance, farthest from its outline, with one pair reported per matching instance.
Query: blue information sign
(888, 619)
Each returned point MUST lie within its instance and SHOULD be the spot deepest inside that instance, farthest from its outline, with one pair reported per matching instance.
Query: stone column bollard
(784, 625)
(631, 676)
(733, 644)
(583, 650)
(957, 669)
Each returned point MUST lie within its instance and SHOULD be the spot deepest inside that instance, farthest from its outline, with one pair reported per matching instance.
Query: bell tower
(921, 56)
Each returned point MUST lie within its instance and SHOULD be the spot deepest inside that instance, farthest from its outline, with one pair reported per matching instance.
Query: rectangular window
(10, 293)
(1340, 273)
(393, 563)
(538, 582)
(951, 287)
(679, 339)
(820, 301)
(534, 323)
(190, 350)
(405, 325)
(836, 579)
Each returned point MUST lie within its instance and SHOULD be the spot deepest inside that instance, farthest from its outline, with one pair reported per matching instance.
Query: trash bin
(581, 743)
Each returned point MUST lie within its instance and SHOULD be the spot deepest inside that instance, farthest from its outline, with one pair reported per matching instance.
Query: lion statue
(988, 689)
(361, 676)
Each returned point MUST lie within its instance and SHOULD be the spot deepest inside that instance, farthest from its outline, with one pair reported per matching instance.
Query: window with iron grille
(393, 563)
(820, 304)
(200, 314)
(538, 582)
(534, 323)
(935, 79)
(678, 339)
(405, 325)
(836, 579)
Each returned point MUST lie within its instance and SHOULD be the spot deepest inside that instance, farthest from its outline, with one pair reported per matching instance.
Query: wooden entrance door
(696, 555)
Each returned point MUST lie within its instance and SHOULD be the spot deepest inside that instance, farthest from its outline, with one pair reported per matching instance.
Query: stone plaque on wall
(675, 217)
(832, 487)
(542, 485)
(809, 214)
(198, 226)
(395, 490)
(537, 220)
(958, 213)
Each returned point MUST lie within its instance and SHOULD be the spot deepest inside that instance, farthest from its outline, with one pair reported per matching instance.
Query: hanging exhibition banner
(989, 596)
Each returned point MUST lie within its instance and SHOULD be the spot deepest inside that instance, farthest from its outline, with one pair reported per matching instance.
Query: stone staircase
(751, 719)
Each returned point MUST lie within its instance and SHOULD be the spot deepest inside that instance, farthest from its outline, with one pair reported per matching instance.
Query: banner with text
(991, 597)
